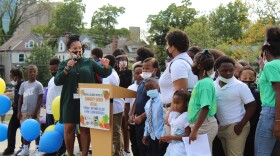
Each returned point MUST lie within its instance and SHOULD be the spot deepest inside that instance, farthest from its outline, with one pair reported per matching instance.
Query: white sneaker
(37, 152)
(24, 151)
(126, 154)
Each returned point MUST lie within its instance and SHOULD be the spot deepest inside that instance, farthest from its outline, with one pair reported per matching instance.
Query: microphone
(75, 57)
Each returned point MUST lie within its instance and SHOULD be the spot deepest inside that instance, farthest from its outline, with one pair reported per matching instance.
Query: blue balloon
(59, 127)
(30, 129)
(5, 104)
(3, 132)
(50, 142)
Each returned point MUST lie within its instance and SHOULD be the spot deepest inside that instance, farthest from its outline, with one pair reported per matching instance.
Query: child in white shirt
(179, 124)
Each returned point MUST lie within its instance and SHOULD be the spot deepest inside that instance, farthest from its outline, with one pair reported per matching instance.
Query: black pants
(217, 149)
(133, 140)
(49, 120)
(155, 148)
(14, 124)
(139, 132)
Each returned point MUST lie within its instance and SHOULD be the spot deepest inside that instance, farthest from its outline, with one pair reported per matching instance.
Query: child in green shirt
(202, 105)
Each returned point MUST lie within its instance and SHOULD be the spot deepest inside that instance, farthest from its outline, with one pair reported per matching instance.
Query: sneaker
(20, 148)
(24, 151)
(37, 152)
(8, 151)
(126, 153)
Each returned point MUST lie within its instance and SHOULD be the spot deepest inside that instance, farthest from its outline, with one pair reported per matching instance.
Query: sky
(137, 11)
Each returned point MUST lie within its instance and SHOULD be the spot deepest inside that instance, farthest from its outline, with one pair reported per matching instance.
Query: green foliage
(201, 34)
(229, 20)
(103, 24)
(40, 56)
(173, 17)
(62, 20)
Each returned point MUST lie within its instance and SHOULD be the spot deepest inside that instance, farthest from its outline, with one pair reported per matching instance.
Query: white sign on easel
(95, 108)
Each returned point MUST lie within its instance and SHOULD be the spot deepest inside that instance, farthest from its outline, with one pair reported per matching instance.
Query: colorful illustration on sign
(106, 94)
(95, 108)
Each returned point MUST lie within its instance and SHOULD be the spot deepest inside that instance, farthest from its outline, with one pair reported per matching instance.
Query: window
(63, 57)
(31, 43)
(61, 46)
(21, 58)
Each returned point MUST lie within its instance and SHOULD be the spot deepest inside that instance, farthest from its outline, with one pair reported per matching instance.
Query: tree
(266, 10)
(63, 22)
(17, 12)
(173, 17)
(103, 24)
(229, 20)
(40, 56)
(201, 34)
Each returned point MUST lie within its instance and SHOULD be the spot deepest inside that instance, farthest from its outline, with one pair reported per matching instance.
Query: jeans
(264, 139)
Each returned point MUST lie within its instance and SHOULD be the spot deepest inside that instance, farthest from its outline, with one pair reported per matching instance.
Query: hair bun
(74, 37)
(273, 34)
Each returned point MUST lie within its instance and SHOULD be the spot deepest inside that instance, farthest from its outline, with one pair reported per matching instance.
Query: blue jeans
(264, 139)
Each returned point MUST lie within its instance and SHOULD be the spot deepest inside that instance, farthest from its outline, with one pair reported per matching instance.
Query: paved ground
(3, 144)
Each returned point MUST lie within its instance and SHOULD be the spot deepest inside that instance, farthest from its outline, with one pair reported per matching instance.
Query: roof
(16, 40)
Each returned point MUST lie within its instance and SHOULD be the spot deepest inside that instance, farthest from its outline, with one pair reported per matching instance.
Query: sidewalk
(4, 144)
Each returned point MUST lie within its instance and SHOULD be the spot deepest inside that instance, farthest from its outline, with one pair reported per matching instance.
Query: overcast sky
(137, 11)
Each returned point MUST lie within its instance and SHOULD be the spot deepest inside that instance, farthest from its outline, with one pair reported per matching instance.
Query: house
(14, 52)
(129, 45)
(62, 51)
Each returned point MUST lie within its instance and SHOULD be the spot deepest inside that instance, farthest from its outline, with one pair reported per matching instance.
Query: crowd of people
(199, 92)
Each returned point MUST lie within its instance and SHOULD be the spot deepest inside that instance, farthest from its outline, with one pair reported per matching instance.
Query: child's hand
(131, 119)
(34, 115)
(105, 62)
(138, 120)
(166, 119)
(145, 140)
(166, 138)
(238, 129)
(193, 136)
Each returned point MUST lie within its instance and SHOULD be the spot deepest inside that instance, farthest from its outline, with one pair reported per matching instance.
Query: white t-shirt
(118, 104)
(231, 99)
(132, 87)
(179, 69)
(53, 92)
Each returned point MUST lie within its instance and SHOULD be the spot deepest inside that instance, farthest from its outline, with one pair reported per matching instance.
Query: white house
(14, 52)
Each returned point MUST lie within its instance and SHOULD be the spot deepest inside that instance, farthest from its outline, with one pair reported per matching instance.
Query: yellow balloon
(56, 108)
(50, 128)
(2, 86)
